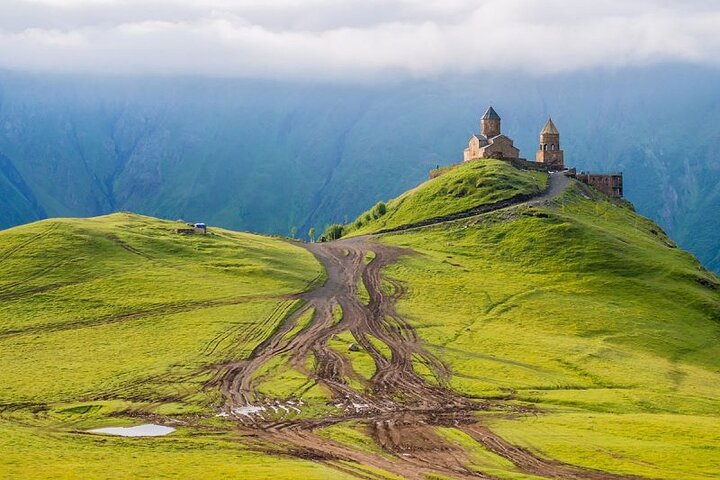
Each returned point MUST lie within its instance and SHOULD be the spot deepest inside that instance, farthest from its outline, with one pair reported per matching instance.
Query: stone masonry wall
(500, 148)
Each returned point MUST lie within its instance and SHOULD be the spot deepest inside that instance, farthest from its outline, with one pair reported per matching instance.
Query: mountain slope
(568, 338)
(585, 310)
(267, 156)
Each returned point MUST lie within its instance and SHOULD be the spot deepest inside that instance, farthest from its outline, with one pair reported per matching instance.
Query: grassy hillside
(117, 317)
(460, 188)
(587, 311)
(586, 335)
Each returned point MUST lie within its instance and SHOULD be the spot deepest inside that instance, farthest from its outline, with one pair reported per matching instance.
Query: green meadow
(582, 312)
(587, 312)
(109, 318)
(459, 188)
(44, 451)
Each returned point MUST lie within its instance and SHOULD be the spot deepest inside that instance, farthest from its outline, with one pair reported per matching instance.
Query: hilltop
(453, 190)
(550, 333)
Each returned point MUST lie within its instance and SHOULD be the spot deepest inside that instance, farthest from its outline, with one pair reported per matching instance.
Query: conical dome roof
(550, 128)
(491, 114)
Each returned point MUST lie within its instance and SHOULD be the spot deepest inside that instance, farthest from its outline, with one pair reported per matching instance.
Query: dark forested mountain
(267, 156)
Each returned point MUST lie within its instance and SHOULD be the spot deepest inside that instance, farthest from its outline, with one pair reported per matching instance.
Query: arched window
(552, 147)
(544, 147)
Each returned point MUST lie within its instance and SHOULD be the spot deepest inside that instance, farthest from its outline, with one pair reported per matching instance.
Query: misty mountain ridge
(267, 156)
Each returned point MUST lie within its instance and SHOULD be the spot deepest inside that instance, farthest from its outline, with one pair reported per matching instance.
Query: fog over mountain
(267, 156)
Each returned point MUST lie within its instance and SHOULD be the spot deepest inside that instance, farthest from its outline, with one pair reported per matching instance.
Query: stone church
(490, 142)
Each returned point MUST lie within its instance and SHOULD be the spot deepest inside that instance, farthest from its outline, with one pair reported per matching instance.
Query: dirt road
(400, 407)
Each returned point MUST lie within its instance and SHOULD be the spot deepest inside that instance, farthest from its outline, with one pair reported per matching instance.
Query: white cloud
(352, 38)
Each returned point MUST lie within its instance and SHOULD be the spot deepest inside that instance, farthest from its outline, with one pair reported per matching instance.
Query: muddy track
(400, 408)
(371, 325)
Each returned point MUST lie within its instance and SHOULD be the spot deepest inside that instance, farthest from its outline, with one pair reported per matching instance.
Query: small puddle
(146, 430)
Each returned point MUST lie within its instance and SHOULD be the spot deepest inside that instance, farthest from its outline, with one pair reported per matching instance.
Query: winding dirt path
(400, 407)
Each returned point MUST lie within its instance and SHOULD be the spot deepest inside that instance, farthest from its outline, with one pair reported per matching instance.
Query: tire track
(161, 310)
(7, 254)
(400, 408)
(395, 390)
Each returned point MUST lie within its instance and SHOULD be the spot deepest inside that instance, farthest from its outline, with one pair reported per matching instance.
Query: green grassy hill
(594, 336)
(109, 318)
(455, 189)
(587, 311)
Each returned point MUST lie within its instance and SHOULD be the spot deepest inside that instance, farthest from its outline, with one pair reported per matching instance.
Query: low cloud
(352, 39)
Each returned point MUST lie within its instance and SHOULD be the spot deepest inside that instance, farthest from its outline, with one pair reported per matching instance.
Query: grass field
(113, 317)
(587, 311)
(582, 312)
(461, 188)
(46, 452)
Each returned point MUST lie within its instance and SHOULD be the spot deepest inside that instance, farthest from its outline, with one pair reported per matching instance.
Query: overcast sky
(348, 39)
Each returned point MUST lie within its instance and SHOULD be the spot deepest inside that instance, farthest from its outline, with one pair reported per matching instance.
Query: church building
(490, 142)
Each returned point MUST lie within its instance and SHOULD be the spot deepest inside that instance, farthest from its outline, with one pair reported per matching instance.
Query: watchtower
(550, 153)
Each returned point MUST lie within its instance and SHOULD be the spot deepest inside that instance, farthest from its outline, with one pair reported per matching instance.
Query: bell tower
(550, 154)
(490, 123)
